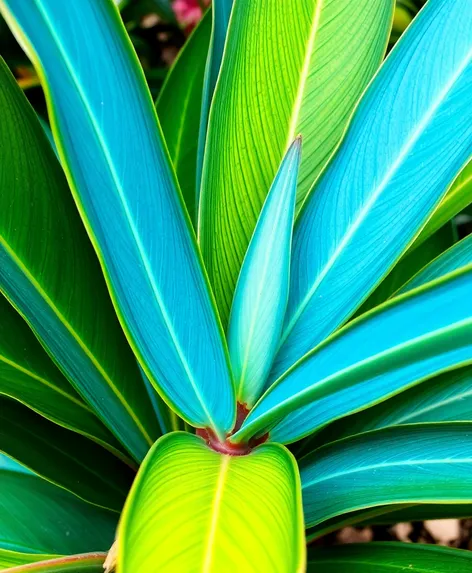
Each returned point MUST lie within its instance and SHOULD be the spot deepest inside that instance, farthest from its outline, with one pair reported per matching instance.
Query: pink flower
(188, 12)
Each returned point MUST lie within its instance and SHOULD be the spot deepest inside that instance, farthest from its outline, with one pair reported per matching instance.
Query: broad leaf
(49, 272)
(410, 135)
(457, 198)
(458, 256)
(124, 185)
(260, 299)
(418, 463)
(28, 375)
(389, 558)
(41, 518)
(221, 12)
(179, 105)
(288, 68)
(394, 347)
(84, 563)
(63, 457)
(206, 511)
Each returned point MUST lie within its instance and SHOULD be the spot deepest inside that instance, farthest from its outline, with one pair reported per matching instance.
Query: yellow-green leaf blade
(194, 509)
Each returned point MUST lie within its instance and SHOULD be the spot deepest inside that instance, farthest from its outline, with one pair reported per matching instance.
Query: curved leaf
(15, 558)
(63, 457)
(123, 182)
(41, 518)
(220, 15)
(288, 68)
(207, 511)
(386, 351)
(260, 299)
(389, 558)
(457, 198)
(84, 563)
(49, 272)
(28, 375)
(424, 463)
(416, 122)
(179, 106)
(458, 256)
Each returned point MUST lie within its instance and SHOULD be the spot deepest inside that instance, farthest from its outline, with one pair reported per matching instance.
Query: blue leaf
(261, 294)
(384, 352)
(409, 137)
(111, 145)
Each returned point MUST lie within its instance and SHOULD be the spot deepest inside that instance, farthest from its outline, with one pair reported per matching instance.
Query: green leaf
(49, 272)
(389, 558)
(123, 182)
(63, 457)
(41, 518)
(457, 198)
(15, 558)
(28, 375)
(390, 172)
(288, 68)
(84, 563)
(261, 295)
(394, 347)
(179, 105)
(417, 463)
(207, 511)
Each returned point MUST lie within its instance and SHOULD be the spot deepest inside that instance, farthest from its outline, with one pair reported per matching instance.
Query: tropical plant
(123, 329)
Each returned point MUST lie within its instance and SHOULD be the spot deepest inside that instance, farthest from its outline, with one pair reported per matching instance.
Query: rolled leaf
(418, 463)
(289, 68)
(63, 457)
(260, 299)
(122, 180)
(394, 347)
(389, 558)
(49, 272)
(41, 518)
(207, 511)
(179, 106)
(410, 135)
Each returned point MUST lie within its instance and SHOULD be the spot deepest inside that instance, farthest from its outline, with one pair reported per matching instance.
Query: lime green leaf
(39, 517)
(123, 181)
(63, 457)
(389, 558)
(457, 198)
(194, 509)
(178, 107)
(24, 563)
(28, 375)
(49, 272)
(260, 299)
(417, 463)
(288, 68)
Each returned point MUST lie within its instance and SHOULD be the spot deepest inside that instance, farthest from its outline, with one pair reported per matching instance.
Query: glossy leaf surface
(378, 355)
(213, 512)
(288, 68)
(28, 375)
(389, 558)
(123, 182)
(260, 299)
(418, 463)
(41, 518)
(179, 106)
(49, 272)
(63, 457)
(415, 120)
(84, 563)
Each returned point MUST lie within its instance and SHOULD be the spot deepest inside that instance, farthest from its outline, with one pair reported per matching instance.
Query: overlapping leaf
(410, 135)
(213, 512)
(123, 182)
(48, 270)
(386, 351)
(22, 563)
(288, 68)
